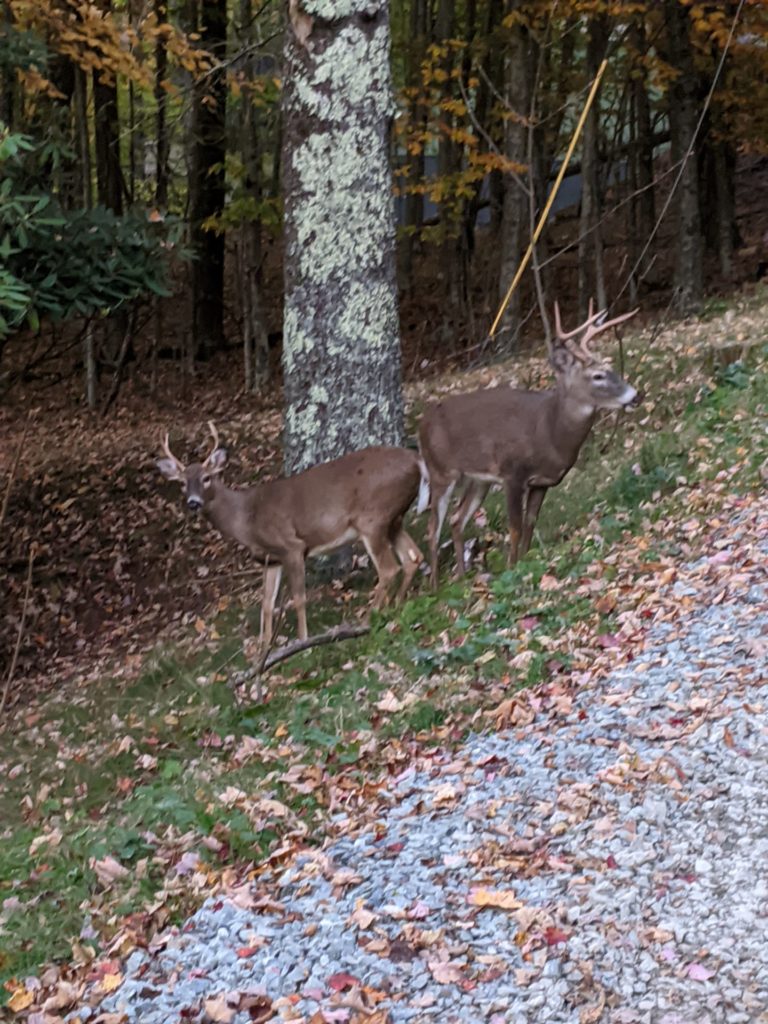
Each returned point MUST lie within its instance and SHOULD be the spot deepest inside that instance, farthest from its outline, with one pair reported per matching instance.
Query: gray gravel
(631, 826)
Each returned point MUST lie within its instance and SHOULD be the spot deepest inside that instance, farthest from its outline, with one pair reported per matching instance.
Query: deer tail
(423, 503)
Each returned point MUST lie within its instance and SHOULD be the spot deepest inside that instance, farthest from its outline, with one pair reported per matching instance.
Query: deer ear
(169, 469)
(560, 359)
(217, 460)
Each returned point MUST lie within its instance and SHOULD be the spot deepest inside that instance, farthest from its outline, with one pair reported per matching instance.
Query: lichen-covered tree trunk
(341, 346)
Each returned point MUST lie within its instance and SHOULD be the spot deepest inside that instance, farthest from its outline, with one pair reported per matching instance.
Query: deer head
(582, 374)
(198, 480)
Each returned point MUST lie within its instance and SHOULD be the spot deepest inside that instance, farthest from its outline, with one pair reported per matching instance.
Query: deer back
(479, 433)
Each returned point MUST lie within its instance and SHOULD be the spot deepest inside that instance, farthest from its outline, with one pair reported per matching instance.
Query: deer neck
(570, 423)
(228, 512)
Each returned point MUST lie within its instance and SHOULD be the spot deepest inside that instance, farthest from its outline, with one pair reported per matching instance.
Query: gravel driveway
(607, 862)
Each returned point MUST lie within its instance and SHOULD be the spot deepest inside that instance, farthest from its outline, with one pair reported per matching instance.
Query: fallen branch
(271, 658)
(17, 648)
(296, 646)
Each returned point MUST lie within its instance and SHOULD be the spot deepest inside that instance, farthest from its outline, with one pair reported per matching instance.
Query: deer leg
(272, 577)
(515, 491)
(294, 571)
(410, 559)
(471, 500)
(380, 552)
(441, 496)
(536, 496)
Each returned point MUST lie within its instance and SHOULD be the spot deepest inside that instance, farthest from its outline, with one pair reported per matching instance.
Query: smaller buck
(361, 496)
(525, 440)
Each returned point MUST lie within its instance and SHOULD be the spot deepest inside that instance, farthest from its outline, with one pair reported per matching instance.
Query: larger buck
(525, 440)
(361, 496)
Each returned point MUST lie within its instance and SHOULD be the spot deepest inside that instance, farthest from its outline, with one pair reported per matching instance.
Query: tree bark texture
(109, 180)
(683, 116)
(207, 184)
(341, 347)
(514, 215)
(255, 340)
(591, 270)
(162, 143)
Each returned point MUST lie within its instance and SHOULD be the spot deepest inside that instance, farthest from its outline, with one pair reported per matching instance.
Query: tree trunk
(8, 78)
(109, 178)
(591, 269)
(341, 350)
(206, 184)
(515, 205)
(161, 101)
(255, 340)
(414, 201)
(727, 230)
(683, 116)
(447, 156)
(643, 155)
(83, 136)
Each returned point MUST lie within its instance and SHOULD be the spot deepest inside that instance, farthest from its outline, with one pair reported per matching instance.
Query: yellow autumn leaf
(111, 981)
(503, 899)
(21, 999)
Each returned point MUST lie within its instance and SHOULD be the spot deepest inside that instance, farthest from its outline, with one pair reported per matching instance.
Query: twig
(337, 633)
(296, 646)
(127, 339)
(17, 648)
(14, 467)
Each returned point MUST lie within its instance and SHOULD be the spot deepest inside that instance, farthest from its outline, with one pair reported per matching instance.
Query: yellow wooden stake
(555, 188)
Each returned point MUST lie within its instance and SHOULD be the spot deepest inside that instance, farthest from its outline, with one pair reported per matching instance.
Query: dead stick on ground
(17, 648)
(296, 646)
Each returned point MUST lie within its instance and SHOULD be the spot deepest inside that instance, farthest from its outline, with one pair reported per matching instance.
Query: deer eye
(206, 480)
(598, 375)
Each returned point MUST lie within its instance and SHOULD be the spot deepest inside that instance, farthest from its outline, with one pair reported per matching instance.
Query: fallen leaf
(21, 999)
(503, 899)
(65, 995)
(553, 936)
(219, 1010)
(698, 972)
(389, 702)
(360, 916)
(446, 973)
(341, 981)
(108, 870)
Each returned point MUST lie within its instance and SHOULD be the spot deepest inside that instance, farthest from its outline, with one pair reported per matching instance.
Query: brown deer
(525, 440)
(361, 496)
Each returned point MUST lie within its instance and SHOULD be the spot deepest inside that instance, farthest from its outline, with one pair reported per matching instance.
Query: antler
(561, 334)
(164, 444)
(215, 434)
(598, 327)
(589, 330)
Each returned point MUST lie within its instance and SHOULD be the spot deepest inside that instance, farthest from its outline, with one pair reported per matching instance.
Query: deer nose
(194, 503)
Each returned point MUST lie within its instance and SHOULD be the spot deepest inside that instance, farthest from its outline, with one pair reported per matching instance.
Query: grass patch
(133, 771)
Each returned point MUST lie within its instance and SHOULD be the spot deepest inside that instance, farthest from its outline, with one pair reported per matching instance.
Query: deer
(361, 496)
(524, 440)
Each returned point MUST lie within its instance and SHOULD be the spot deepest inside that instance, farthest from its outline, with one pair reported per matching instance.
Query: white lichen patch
(337, 10)
(345, 76)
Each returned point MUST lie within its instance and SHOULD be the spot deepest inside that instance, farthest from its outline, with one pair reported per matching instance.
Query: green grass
(109, 770)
